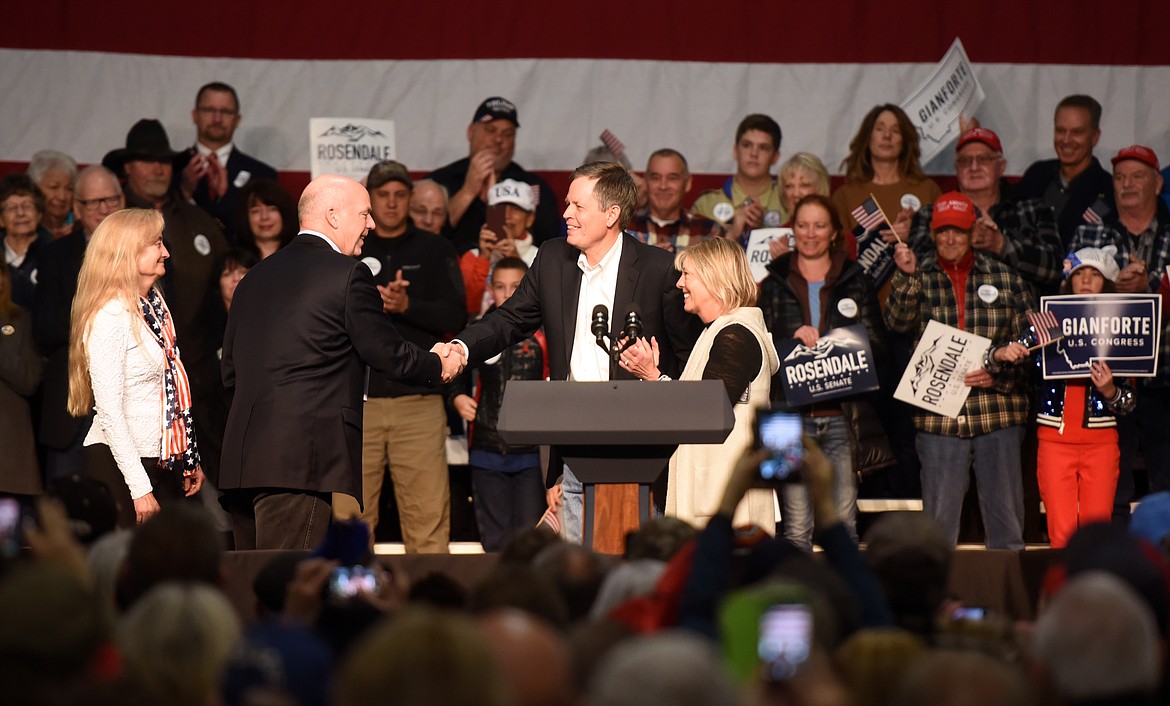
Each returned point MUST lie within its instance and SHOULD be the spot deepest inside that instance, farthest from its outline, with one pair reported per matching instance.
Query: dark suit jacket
(548, 295)
(60, 264)
(303, 325)
(226, 208)
(1092, 185)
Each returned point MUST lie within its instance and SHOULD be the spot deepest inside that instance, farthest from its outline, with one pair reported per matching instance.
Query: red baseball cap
(953, 209)
(980, 134)
(1145, 155)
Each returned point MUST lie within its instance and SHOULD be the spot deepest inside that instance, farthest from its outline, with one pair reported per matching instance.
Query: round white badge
(772, 218)
(847, 307)
(202, 244)
(723, 212)
(988, 293)
(911, 202)
(32, 276)
(374, 264)
(7, 330)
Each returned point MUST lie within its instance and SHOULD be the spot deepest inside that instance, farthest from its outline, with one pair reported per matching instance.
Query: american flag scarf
(179, 450)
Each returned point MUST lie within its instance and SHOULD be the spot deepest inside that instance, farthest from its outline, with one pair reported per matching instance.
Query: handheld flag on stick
(1047, 328)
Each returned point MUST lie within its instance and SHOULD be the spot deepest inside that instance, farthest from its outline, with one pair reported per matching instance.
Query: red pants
(1077, 484)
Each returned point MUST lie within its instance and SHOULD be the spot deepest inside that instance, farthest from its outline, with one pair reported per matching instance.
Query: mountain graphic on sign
(823, 348)
(352, 132)
(925, 365)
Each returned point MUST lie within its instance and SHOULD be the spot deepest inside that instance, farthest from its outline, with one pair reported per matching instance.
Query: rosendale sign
(934, 379)
(839, 365)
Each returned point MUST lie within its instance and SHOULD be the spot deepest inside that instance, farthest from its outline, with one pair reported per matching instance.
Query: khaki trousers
(410, 433)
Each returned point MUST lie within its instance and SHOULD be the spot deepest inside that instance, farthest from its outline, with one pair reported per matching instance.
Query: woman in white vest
(735, 348)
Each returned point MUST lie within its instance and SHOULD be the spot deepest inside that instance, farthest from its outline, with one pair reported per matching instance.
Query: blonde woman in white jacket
(736, 348)
(124, 365)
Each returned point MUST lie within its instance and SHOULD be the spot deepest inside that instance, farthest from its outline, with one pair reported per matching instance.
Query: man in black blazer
(214, 171)
(596, 264)
(96, 194)
(303, 325)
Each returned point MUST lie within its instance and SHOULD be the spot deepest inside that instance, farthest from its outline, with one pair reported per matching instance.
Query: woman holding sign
(1078, 459)
(735, 348)
(809, 291)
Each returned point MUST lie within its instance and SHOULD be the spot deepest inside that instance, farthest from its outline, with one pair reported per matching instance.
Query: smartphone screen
(779, 433)
(10, 536)
(786, 632)
(347, 581)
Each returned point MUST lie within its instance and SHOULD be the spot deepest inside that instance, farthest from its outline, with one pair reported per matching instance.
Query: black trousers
(99, 463)
(278, 518)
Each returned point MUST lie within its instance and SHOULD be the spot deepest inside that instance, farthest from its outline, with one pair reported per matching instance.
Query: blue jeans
(832, 434)
(573, 495)
(946, 468)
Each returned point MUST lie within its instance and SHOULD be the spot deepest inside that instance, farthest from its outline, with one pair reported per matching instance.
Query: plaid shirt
(1151, 246)
(1031, 243)
(688, 229)
(928, 294)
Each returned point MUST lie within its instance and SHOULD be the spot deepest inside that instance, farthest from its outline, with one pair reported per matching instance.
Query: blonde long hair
(108, 272)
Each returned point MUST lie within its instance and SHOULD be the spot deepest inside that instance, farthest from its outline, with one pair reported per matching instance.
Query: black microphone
(599, 326)
(633, 327)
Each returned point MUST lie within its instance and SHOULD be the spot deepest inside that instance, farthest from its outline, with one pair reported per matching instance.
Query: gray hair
(94, 170)
(1098, 638)
(432, 183)
(674, 668)
(47, 161)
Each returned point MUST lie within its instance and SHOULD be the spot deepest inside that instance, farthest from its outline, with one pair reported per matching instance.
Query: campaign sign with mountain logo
(934, 379)
(839, 365)
(349, 146)
(1121, 329)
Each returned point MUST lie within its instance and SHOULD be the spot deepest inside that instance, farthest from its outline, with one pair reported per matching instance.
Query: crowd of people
(977, 258)
(329, 340)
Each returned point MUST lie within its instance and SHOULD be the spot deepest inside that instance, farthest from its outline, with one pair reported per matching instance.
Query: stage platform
(1007, 582)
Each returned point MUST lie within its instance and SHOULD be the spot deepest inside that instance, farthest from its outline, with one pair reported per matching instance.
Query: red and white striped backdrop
(656, 73)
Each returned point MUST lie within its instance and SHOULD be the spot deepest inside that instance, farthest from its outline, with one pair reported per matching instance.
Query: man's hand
(305, 594)
(747, 217)
(1013, 352)
(192, 173)
(193, 482)
(1133, 276)
(481, 174)
(395, 300)
(900, 228)
(451, 356)
(986, 236)
(465, 406)
(905, 258)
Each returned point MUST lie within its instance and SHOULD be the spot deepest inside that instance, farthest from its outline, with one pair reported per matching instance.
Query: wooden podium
(617, 437)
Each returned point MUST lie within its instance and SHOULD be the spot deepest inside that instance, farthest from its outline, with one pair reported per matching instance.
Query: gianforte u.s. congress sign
(1121, 329)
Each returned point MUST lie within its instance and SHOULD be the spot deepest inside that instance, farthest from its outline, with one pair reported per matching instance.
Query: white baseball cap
(514, 192)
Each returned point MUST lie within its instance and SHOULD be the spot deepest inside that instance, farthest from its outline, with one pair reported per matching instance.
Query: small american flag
(615, 145)
(1094, 213)
(1046, 326)
(868, 215)
(550, 519)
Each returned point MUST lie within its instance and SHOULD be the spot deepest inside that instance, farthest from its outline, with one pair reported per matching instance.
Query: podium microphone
(633, 327)
(600, 325)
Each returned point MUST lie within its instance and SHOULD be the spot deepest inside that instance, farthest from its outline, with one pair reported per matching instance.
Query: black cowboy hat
(146, 140)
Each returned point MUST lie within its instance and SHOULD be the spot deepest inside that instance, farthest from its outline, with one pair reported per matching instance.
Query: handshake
(452, 357)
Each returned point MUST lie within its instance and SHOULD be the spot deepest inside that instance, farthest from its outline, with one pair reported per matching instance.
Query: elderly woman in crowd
(124, 364)
(804, 173)
(736, 349)
(883, 161)
(268, 218)
(54, 173)
(21, 206)
(807, 292)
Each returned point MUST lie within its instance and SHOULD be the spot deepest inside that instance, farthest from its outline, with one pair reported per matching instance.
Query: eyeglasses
(982, 160)
(20, 208)
(220, 112)
(95, 204)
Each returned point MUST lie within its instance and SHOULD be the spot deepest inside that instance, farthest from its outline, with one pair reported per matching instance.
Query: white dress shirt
(598, 284)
